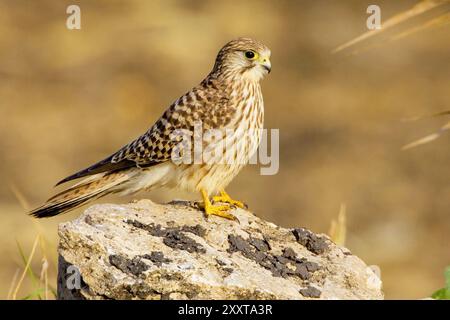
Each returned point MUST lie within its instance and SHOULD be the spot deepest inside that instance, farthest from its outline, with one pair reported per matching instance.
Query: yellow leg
(225, 198)
(210, 209)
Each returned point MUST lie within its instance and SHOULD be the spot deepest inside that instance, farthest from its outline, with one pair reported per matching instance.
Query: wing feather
(208, 103)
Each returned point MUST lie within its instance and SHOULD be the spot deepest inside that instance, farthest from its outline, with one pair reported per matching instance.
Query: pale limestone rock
(145, 250)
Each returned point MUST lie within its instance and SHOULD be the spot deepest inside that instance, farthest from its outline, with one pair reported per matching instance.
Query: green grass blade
(444, 293)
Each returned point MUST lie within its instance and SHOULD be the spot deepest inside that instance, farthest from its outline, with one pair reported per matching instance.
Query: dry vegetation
(69, 98)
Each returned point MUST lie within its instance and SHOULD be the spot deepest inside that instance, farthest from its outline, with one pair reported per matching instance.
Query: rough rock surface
(145, 250)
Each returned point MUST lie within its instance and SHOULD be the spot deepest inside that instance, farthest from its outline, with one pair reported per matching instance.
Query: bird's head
(243, 57)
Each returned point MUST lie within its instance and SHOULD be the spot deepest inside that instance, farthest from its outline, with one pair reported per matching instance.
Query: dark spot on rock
(261, 256)
(88, 219)
(310, 241)
(173, 236)
(171, 223)
(197, 230)
(157, 257)
(260, 244)
(147, 227)
(222, 266)
(289, 253)
(132, 266)
(282, 259)
(228, 270)
(302, 271)
(177, 240)
(158, 231)
(237, 243)
(220, 262)
(310, 292)
(311, 266)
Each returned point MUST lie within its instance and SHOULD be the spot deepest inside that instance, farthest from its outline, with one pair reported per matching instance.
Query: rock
(145, 250)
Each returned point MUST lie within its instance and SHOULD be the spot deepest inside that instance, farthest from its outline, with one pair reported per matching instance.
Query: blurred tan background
(70, 98)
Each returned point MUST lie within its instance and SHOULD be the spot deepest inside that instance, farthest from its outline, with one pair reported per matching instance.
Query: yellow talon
(210, 209)
(225, 198)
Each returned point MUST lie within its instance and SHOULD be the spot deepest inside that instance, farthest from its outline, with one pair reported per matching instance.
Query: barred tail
(87, 190)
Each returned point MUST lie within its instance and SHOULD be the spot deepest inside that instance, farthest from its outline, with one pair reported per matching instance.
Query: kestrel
(228, 102)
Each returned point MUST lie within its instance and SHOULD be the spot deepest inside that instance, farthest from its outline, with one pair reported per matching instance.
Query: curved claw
(220, 211)
(225, 198)
(216, 210)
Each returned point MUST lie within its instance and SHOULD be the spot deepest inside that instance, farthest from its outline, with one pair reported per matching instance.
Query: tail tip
(40, 213)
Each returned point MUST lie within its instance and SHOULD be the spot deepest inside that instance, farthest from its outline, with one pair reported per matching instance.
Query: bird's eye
(250, 55)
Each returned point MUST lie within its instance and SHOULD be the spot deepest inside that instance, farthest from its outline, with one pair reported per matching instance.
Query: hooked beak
(265, 63)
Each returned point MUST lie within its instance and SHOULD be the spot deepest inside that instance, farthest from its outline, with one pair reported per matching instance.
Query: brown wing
(207, 103)
(149, 149)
